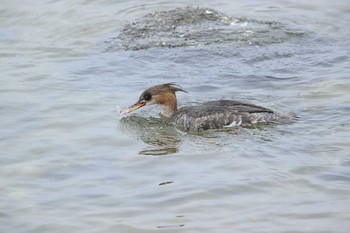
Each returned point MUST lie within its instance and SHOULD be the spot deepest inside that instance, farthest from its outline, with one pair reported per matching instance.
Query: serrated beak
(134, 107)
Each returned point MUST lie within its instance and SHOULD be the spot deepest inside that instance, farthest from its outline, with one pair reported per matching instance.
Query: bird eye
(147, 96)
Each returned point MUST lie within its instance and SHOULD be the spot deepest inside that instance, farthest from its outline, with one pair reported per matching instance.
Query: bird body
(218, 114)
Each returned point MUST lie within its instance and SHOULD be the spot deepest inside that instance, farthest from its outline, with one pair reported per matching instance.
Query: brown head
(163, 94)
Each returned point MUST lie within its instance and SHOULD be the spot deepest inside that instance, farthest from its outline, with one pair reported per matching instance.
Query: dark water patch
(158, 152)
(183, 27)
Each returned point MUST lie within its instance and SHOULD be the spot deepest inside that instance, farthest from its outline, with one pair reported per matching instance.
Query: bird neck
(168, 105)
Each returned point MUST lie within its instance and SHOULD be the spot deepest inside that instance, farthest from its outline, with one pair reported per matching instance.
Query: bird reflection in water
(160, 135)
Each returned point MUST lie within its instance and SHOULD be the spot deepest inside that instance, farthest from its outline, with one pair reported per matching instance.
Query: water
(69, 163)
(193, 26)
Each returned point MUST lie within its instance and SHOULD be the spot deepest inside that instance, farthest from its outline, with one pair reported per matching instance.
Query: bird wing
(238, 106)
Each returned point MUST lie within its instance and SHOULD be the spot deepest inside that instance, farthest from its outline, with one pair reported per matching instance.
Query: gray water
(71, 163)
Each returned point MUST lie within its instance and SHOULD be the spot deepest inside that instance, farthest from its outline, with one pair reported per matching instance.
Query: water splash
(121, 112)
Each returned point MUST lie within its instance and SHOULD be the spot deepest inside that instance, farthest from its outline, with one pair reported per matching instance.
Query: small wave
(183, 27)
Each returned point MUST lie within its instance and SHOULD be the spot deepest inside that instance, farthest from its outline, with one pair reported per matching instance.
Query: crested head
(160, 94)
(163, 88)
(163, 94)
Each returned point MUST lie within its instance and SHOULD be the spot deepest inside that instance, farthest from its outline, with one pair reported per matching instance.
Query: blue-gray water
(69, 163)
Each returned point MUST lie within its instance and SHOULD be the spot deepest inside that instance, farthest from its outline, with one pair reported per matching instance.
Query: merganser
(218, 114)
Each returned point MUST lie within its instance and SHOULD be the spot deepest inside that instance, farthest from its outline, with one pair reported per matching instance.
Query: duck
(217, 114)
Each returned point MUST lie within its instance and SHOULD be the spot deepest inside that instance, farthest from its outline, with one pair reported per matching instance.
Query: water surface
(69, 163)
